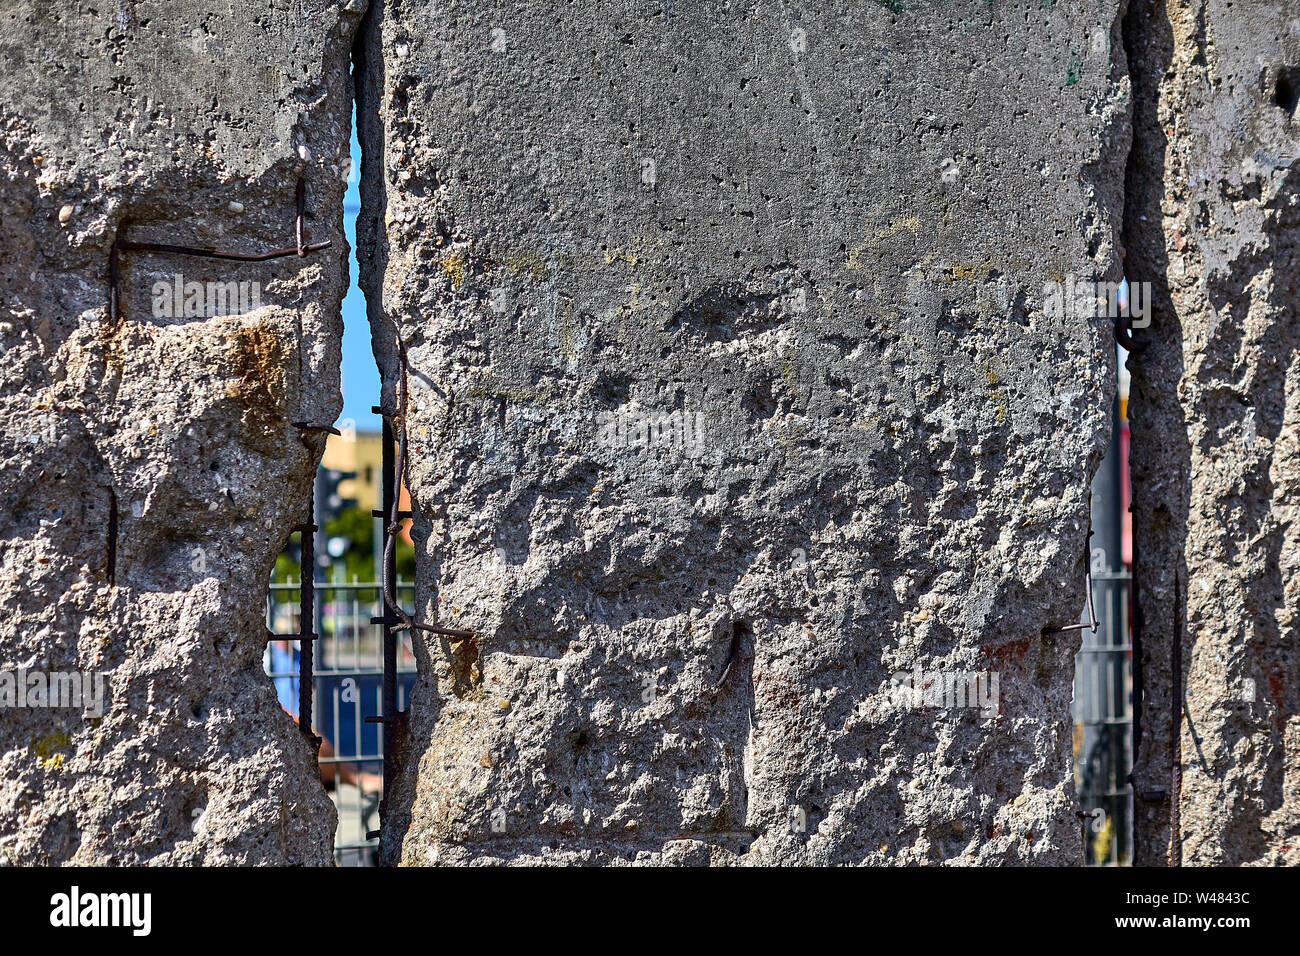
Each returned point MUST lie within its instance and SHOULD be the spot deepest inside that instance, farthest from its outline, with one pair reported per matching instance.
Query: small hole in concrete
(1286, 92)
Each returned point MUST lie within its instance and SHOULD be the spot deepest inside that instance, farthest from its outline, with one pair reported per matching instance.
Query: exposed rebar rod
(394, 518)
(300, 248)
(127, 245)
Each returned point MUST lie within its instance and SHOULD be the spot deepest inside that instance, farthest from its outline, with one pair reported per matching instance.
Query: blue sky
(360, 375)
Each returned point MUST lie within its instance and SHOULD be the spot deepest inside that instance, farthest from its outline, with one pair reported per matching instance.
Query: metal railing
(347, 679)
(1103, 725)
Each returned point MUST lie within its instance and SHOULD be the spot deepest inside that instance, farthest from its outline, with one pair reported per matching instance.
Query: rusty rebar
(270, 636)
(1124, 331)
(127, 245)
(394, 518)
(388, 715)
(300, 248)
(304, 426)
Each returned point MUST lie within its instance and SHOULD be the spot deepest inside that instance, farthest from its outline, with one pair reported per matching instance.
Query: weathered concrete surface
(1213, 221)
(193, 122)
(826, 242)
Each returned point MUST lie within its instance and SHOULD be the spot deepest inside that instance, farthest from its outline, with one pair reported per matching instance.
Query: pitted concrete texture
(1214, 222)
(190, 124)
(736, 401)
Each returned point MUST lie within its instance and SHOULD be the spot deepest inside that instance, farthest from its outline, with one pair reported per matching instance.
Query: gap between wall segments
(1122, 330)
(395, 431)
